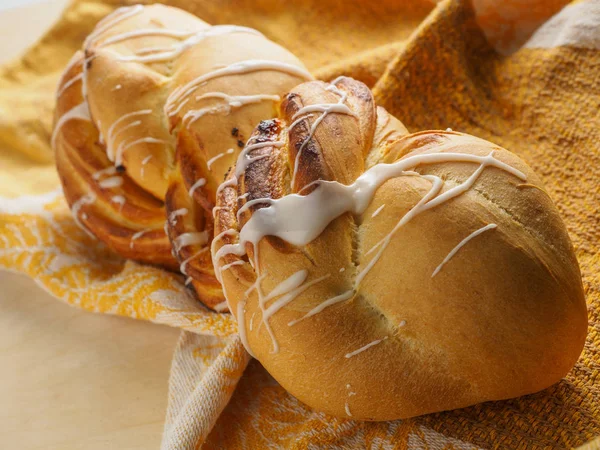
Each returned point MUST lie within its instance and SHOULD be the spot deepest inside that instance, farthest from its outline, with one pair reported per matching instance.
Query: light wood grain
(76, 380)
(70, 379)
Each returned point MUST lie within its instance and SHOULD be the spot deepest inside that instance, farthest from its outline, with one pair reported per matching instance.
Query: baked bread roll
(382, 275)
(150, 114)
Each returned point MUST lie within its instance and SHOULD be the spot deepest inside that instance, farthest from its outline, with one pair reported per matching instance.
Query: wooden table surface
(71, 379)
(76, 380)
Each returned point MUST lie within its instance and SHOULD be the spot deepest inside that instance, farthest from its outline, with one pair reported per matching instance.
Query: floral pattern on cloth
(41, 239)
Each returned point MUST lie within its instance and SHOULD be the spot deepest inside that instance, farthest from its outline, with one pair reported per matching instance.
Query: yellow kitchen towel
(525, 75)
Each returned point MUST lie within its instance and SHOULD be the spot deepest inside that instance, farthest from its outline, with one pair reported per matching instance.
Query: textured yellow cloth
(440, 67)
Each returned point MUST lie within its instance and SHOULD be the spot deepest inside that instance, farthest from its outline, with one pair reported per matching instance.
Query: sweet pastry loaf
(381, 275)
(149, 117)
(376, 274)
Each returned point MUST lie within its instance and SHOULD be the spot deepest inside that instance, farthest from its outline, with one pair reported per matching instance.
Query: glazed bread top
(381, 275)
(157, 106)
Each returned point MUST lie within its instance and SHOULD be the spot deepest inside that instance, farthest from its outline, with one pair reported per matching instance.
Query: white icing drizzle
(251, 321)
(198, 184)
(241, 320)
(145, 161)
(377, 211)
(175, 214)
(229, 183)
(117, 87)
(261, 303)
(111, 170)
(132, 124)
(117, 16)
(230, 265)
(160, 48)
(324, 109)
(254, 285)
(461, 244)
(337, 80)
(80, 111)
(244, 158)
(231, 101)
(199, 237)
(216, 209)
(333, 88)
(342, 269)
(364, 347)
(299, 219)
(217, 238)
(242, 67)
(292, 282)
(84, 69)
(188, 280)
(432, 199)
(347, 408)
(297, 121)
(220, 307)
(243, 161)
(86, 199)
(111, 182)
(124, 145)
(327, 303)
(114, 131)
(218, 156)
(346, 405)
(172, 112)
(72, 62)
(237, 101)
(284, 300)
(250, 204)
(138, 235)
(118, 199)
(68, 84)
(162, 54)
(146, 32)
(185, 262)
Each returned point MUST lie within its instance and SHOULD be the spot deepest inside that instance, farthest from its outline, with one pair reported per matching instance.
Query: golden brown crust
(133, 228)
(209, 145)
(505, 316)
(132, 71)
(325, 154)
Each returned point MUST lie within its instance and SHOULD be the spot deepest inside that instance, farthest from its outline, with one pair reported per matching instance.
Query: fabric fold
(204, 374)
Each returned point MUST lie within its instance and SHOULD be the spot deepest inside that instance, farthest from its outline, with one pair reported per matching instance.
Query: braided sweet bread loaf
(149, 117)
(376, 274)
(381, 275)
